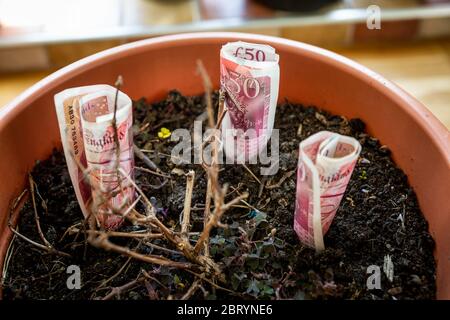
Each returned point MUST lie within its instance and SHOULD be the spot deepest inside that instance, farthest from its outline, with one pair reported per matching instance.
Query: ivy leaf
(267, 290)
(177, 281)
(252, 260)
(236, 280)
(253, 288)
(258, 216)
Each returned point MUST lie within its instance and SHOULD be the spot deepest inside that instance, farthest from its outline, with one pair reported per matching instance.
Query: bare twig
(101, 241)
(221, 109)
(282, 179)
(190, 179)
(47, 247)
(208, 88)
(118, 84)
(115, 275)
(50, 250)
(192, 289)
(149, 163)
(36, 215)
(207, 213)
(135, 235)
(117, 291)
(214, 285)
(152, 172)
(215, 219)
(155, 246)
(251, 173)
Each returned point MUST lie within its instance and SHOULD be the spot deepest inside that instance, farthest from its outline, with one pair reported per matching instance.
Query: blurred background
(412, 48)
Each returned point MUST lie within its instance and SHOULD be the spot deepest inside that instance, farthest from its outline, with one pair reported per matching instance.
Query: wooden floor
(422, 69)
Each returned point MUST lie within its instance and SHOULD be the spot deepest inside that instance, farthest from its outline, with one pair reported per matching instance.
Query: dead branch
(221, 109)
(155, 246)
(118, 84)
(207, 214)
(214, 285)
(149, 163)
(102, 241)
(115, 275)
(36, 215)
(47, 247)
(208, 88)
(215, 219)
(251, 173)
(192, 289)
(162, 175)
(50, 250)
(282, 179)
(117, 234)
(190, 179)
(117, 291)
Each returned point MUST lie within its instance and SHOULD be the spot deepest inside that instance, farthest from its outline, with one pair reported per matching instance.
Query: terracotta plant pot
(419, 142)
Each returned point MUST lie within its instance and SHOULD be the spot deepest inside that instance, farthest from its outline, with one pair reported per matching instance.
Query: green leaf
(236, 280)
(267, 290)
(259, 217)
(253, 288)
(252, 260)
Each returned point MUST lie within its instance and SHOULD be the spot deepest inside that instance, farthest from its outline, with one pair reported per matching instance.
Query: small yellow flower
(164, 133)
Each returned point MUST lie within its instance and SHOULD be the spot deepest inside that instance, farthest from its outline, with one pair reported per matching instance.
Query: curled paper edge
(328, 137)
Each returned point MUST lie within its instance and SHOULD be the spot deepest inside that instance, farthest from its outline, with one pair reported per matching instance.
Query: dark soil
(256, 264)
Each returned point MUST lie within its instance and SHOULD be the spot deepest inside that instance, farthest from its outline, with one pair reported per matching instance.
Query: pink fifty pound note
(326, 162)
(249, 76)
(85, 118)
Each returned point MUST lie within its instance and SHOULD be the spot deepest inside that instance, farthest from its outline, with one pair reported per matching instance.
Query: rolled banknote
(249, 76)
(326, 162)
(85, 117)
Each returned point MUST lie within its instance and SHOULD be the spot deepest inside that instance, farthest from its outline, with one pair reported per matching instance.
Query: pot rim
(433, 128)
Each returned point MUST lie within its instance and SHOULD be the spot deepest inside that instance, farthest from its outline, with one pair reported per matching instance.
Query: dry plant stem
(118, 290)
(47, 247)
(282, 179)
(207, 213)
(251, 173)
(36, 215)
(179, 242)
(214, 285)
(192, 289)
(155, 246)
(135, 235)
(221, 109)
(16, 201)
(50, 250)
(215, 219)
(148, 276)
(190, 179)
(221, 117)
(208, 88)
(115, 275)
(102, 241)
(152, 172)
(149, 163)
(118, 84)
(118, 234)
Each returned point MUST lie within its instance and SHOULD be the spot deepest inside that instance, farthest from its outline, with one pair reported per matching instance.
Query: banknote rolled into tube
(249, 77)
(326, 162)
(85, 116)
